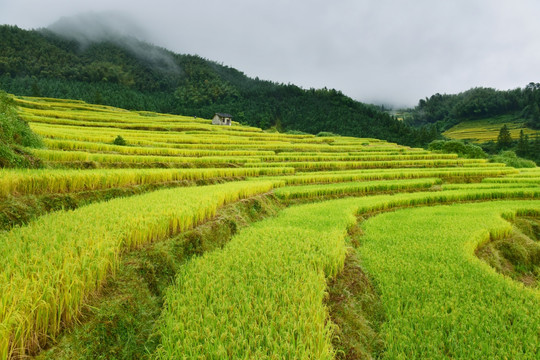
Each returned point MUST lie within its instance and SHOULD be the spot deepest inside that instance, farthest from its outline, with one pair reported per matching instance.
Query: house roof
(224, 115)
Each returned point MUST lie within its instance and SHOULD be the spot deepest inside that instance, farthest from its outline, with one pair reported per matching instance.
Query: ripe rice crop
(66, 156)
(138, 150)
(531, 179)
(117, 116)
(353, 188)
(485, 130)
(63, 181)
(49, 267)
(334, 165)
(390, 174)
(366, 157)
(100, 124)
(526, 175)
(488, 185)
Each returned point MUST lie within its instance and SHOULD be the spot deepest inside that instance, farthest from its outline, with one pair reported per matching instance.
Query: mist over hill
(85, 58)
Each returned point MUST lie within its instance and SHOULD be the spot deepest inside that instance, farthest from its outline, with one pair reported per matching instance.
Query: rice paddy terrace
(488, 129)
(414, 220)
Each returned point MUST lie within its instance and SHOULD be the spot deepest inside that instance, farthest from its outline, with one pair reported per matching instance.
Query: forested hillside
(478, 103)
(135, 75)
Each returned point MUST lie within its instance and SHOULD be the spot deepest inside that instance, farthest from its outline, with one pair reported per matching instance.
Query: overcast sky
(382, 51)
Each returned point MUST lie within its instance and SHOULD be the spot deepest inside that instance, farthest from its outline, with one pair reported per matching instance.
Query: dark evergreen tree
(504, 140)
(523, 145)
(534, 117)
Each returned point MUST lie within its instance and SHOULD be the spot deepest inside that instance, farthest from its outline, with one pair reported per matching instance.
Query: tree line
(447, 110)
(525, 146)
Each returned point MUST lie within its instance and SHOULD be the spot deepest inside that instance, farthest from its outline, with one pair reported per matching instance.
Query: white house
(222, 119)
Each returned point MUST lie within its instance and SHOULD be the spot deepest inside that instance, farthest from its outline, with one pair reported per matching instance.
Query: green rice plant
(385, 202)
(353, 188)
(262, 295)
(51, 266)
(440, 300)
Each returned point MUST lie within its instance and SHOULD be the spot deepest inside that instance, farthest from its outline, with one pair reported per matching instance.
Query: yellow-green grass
(353, 188)
(48, 268)
(262, 295)
(487, 129)
(24, 181)
(440, 300)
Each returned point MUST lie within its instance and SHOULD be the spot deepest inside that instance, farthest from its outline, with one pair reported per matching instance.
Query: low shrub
(511, 159)
(458, 147)
(119, 141)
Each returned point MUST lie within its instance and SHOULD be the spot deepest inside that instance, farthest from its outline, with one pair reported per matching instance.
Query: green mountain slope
(135, 75)
(486, 129)
(447, 110)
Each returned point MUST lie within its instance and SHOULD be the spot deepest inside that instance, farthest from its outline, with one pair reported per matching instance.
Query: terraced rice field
(485, 130)
(262, 296)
